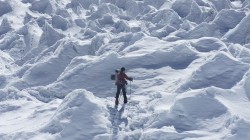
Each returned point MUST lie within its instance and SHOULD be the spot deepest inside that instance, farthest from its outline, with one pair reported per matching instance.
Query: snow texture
(5, 7)
(189, 60)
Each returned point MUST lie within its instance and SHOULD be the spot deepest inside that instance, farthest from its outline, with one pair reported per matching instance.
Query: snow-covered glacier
(189, 59)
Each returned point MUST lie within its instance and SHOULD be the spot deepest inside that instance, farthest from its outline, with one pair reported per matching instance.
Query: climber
(121, 85)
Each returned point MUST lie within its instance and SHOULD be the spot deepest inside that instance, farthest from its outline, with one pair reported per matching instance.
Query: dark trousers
(119, 88)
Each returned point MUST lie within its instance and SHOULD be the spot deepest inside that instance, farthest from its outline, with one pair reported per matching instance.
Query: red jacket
(121, 78)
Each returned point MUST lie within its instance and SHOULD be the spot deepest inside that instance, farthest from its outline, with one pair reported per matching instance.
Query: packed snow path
(121, 118)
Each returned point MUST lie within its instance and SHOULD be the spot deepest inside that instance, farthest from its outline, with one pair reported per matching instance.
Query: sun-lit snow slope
(189, 60)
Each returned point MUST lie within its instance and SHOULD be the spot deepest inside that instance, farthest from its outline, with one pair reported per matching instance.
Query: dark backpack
(113, 76)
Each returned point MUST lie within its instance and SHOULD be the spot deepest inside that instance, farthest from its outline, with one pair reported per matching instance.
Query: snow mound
(4, 7)
(163, 32)
(227, 19)
(84, 3)
(240, 130)
(50, 36)
(29, 36)
(42, 6)
(60, 22)
(62, 12)
(10, 42)
(7, 67)
(246, 3)
(222, 71)
(46, 69)
(121, 26)
(120, 42)
(12, 93)
(221, 4)
(162, 18)
(81, 115)
(220, 26)
(80, 22)
(241, 33)
(177, 57)
(107, 8)
(131, 7)
(6, 63)
(240, 52)
(196, 14)
(107, 19)
(207, 44)
(202, 30)
(182, 7)
(156, 4)
(189, 111)
(5, 26)
(195, 11)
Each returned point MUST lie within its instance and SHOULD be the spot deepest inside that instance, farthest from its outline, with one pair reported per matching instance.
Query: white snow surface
(189, 60)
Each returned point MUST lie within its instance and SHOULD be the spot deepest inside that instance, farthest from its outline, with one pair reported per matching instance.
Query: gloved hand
(130, 79)
(126, 82)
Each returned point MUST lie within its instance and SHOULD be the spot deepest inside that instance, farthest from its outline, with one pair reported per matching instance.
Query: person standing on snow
(121, 85)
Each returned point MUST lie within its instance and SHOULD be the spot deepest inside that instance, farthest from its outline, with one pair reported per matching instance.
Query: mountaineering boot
(116, 101)
(125, 100)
